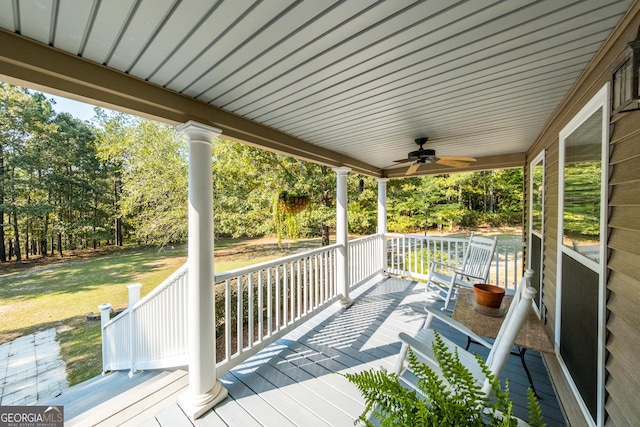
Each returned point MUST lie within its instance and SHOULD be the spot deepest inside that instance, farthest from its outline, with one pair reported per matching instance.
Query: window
(537, 194)
(582, 187)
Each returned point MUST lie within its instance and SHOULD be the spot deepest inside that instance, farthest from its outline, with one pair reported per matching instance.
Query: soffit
(361, 79)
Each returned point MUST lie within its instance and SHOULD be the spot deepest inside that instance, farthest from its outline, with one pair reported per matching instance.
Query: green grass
(45, 295)
(60, 294)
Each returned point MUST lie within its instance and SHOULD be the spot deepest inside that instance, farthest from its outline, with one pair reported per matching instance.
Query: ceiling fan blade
(405, 160)
(452, 163)
(412, 169)
(461, 158)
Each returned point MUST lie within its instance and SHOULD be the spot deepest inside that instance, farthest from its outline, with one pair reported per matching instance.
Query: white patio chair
(443, 277)
(421, 343)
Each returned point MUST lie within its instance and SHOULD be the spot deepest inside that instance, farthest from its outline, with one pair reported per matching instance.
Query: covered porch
(294, 380)
(351, 85)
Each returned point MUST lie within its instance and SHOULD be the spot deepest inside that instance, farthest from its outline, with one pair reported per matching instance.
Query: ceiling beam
(32, 64)
(502, 161)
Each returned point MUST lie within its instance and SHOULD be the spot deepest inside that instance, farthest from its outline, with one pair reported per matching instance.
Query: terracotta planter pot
(488, 295)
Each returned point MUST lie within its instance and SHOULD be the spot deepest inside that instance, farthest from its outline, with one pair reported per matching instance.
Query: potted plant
(286, 207)
(455, 401)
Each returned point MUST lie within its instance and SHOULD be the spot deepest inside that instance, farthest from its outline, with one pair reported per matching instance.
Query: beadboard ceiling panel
(362, 79)
(72, 22)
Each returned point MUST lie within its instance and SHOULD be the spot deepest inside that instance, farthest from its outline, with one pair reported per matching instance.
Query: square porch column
(205, 389)
(342, 236)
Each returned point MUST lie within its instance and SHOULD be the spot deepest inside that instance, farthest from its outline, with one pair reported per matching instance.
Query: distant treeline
(67, 184)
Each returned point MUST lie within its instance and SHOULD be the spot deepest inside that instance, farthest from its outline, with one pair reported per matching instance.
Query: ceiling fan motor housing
(421, 154)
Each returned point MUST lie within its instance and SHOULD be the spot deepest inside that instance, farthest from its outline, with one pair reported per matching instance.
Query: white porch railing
(410, 255)
(264, 301)
(258, 304)
(365, 258)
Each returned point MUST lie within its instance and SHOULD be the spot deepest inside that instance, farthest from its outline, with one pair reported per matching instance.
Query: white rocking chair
(421, 343)
(474, 268)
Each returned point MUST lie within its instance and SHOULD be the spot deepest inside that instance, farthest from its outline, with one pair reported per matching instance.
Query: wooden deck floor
(294, 382)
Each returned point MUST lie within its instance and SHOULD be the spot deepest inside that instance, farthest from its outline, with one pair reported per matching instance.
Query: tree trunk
(43, 238)
(16, 239)
(26, 243)
(492, 197)
(16, 234)
(3, 253)
(60, 243)
(117, 186)
(484, 192)
(324, 230)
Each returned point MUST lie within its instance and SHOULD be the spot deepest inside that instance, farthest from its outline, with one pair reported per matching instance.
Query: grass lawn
(39, 296)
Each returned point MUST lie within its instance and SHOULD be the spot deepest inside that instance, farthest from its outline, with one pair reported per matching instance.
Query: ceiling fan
(424, 155)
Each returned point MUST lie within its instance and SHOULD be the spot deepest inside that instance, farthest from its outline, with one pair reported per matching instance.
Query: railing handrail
(162, 286)
(369, 237)
(515, 241)
(438, 238)
(220, 277)
(123, 313)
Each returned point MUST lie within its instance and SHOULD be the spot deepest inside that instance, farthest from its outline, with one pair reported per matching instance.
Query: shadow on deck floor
(293, 382)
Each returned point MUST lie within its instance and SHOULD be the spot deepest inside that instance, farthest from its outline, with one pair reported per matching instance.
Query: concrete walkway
(31, 369)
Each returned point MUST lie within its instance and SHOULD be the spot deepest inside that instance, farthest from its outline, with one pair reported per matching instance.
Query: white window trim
(600, 100)
(540, 158)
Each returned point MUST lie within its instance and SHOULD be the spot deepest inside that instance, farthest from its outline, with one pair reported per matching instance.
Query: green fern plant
(456, 400)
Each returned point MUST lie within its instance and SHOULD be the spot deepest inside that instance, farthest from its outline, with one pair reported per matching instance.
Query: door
(582, 201)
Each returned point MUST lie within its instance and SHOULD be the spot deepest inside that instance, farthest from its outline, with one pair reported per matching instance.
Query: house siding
(622, 383)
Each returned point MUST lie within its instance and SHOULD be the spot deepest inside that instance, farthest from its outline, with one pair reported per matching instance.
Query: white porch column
(342, 237)
(205, 390)
(382, 219)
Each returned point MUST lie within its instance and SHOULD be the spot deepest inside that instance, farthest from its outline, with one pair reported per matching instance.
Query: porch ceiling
(337, 82)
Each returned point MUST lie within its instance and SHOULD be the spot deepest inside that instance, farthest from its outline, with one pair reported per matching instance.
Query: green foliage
(452, 398)
(74, 184)
(582, 201)
(51, 182)
(466, 199)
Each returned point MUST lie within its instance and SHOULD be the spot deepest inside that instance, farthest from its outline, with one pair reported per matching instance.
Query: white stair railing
(157, 329)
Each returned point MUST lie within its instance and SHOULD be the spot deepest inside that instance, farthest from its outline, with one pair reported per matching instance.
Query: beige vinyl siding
(623, 284)
(623, 323)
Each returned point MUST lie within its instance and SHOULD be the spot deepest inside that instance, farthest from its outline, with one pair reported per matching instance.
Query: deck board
(163, 398)
(293, 382)
(296, 411)
(227, 413)
(252, 403)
